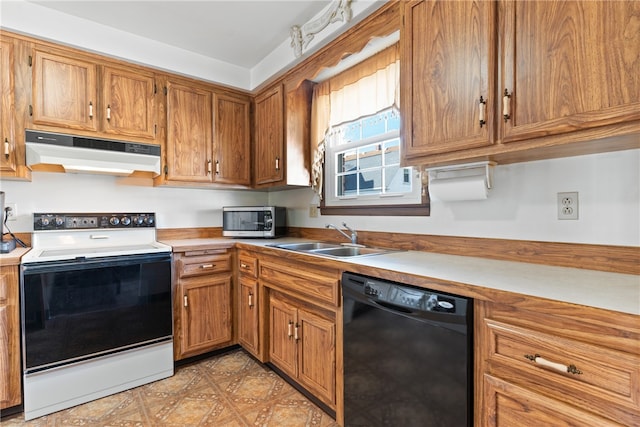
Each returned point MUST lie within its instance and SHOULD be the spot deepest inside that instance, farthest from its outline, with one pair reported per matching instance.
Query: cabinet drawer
(247, 265)
(307, 284)
(203, 264)
(594, 378)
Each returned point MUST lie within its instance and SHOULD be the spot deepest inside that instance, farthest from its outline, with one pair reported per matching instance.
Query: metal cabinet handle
(185, 301)
(6, 148)
(506, 105)
(483, 108)
(243, 265)
(250, 300)
(217, 167)
(296, 337)
(290, 329)
(90, 110)
(108, 112)
(207, 265)
(277, 163)
(536, 358)
(209, 167)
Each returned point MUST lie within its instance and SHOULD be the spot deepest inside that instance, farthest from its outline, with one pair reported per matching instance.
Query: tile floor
(227, 390)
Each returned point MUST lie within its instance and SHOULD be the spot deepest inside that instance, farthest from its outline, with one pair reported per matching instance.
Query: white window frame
(335, 147)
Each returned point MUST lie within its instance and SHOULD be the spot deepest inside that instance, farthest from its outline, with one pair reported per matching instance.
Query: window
(356, 143)
(363, 164)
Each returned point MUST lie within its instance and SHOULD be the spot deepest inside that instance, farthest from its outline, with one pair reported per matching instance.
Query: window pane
(347, 185)
(373, 126)
(352, 133)
(392, 152)
(370, 156)
(393, 121)
(346, 161)
(371, 181)
(397, 180)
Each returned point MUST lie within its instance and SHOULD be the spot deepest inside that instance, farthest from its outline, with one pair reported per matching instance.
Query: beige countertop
(610, 291)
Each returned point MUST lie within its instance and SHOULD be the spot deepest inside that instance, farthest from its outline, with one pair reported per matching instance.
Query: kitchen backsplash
(522, 206)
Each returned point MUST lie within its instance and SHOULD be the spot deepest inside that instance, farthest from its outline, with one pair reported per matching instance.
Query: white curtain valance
(363, 90)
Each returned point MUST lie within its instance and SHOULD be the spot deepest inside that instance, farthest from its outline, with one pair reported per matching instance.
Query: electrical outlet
(313, 211)
(568, 205)
(12, 211)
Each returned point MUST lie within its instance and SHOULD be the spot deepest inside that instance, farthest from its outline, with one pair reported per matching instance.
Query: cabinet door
(508, 405)
(7, 139)
(447, 48)
(248, 332)
(269, 137)
(64, 91)
(316, 355)
(282, 335)
(232, 140)
(128, 102)
(206, 313)
(189, 132)
(10, 372)
(569, 65)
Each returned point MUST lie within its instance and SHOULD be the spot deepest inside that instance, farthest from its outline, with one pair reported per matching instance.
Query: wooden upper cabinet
(128, 102)
(64, 91)
(269, 137)
(232, 140)
(189, 133)
(447, 49)
(569, 65)
(7, 137)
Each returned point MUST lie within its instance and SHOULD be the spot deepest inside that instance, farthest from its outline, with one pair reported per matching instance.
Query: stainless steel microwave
(254, 221)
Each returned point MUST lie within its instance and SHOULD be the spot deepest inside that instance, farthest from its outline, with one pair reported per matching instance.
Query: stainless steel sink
(307, 246)
(350, 251)
(332, 250)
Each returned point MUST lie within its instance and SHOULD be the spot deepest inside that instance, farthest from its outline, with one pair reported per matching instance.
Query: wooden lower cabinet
(203, 302)
(555, 364)
(302, 344)
(10, 372)
(510, 405)
(248, 315)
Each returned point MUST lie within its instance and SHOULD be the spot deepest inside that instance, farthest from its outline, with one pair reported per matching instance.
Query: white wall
(174, 207)
(522, 205)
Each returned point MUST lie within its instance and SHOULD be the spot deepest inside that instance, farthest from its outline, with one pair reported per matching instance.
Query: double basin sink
(332, 250)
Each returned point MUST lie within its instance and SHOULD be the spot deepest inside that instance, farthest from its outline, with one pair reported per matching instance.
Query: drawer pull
(571, 369)
(290, 329)
(250, 300)
(207, 266)
(243, 265)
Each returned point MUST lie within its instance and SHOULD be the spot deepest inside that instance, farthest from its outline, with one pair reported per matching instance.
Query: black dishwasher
(408, 355)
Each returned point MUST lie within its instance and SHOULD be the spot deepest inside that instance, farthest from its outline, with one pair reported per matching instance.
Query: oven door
(75, 310)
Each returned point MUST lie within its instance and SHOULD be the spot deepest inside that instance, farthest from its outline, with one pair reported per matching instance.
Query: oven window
(74, 310)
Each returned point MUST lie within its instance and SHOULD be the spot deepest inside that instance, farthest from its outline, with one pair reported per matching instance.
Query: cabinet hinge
(165, 91)
(166, 170)
(30, 110)
(30, 60)
(155, 129)
(155, 88)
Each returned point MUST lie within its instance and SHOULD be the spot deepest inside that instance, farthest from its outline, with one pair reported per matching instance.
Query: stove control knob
(137, 220)
(149, 220)
(44, 221)
(125, 220)
(59, 221)
(114, 220)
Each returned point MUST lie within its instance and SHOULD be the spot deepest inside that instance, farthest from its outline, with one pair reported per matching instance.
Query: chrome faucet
(354, 233)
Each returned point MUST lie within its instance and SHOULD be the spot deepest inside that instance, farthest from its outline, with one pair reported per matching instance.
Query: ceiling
(240, 32)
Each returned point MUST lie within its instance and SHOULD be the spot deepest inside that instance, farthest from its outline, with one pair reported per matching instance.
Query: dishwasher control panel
(402, 296)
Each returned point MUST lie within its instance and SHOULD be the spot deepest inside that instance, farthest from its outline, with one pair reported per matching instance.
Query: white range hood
(90, 155)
